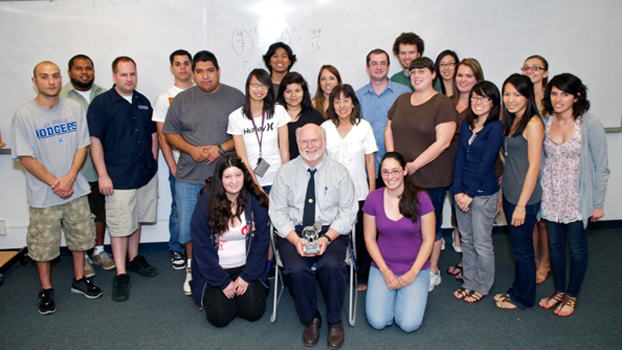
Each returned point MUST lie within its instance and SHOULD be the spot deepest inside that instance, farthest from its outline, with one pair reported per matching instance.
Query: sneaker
(187, 289)
(121, 287)
(141, 267)
(104, 260)
(88, 268)
(178, 260)
(46, 301)
(442, 243)
(435, 280)
(86, 287)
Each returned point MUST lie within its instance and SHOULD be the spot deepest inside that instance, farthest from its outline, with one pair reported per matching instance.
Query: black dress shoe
(311, 335)
(334, 340)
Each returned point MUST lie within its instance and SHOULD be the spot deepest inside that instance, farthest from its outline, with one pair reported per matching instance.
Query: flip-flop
(507, 300)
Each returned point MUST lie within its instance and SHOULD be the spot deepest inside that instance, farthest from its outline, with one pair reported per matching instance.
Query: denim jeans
(577, 242)
(406, 305)
(437, 196)
(186, 196)
(478, 256)
(523, 290)
(173, 220)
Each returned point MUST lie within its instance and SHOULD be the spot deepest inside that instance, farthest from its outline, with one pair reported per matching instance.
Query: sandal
(455, 270)
(567, 301)
(500, 297)
(461, 293)
(361, 287)
(542, 274)
(557, 297)
(474, 297)
(507, 300)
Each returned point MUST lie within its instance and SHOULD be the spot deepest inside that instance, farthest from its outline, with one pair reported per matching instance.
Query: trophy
(311, 234)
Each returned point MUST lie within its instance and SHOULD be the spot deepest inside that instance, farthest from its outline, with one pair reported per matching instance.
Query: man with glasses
(196, 125)
(328, 197)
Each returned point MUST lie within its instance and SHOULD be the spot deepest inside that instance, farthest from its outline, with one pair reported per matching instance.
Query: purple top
(399, 241)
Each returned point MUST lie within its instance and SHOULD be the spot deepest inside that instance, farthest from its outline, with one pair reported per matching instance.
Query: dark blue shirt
(125, 131)
(474, 170)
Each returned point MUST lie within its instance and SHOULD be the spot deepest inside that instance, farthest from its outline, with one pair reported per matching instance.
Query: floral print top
(560, 200)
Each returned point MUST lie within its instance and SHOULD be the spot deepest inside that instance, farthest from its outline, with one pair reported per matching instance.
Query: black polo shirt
(125, 131)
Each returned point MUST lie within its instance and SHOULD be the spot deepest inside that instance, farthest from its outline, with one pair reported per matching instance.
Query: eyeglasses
(260, 86)
(480, 99)
(394, 173)
(447, 65)
(534, 68)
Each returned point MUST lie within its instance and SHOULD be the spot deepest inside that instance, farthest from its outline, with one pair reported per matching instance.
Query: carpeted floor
(159, 316)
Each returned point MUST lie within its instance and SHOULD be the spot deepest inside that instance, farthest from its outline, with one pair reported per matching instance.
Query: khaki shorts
(126, 208)
(44, 229)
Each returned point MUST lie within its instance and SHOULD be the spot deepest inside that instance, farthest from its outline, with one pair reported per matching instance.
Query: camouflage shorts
(44, 229)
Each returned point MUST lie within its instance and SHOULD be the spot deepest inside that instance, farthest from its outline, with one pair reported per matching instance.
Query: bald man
(50, 139)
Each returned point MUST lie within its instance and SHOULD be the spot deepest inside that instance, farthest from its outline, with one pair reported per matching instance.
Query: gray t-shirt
(52, 136)
(201, 119)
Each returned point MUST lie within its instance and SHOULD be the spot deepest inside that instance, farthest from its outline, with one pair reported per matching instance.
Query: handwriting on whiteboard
(246, 39)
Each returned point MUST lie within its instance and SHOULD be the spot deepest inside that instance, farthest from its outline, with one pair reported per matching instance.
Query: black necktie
(308, 216)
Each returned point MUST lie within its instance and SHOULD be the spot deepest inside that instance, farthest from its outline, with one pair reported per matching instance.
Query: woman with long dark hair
(266, 146)
(574, 177)
(421, 126)
(327, 79)
(446, 71)
(350, 141)
(399, 225)
(230, 236)
(477, 190)
(524, 133)
(295, 97)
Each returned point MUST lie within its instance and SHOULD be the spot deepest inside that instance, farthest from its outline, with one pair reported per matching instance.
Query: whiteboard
(575, 36)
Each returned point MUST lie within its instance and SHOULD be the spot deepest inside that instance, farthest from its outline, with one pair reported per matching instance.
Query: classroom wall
(575, 36)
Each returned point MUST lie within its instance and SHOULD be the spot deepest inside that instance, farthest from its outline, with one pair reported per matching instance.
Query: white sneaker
(88, 267)
(435, 280)
(187, 289)
(442, 243)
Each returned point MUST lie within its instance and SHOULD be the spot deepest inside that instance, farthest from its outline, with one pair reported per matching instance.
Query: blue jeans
(186, 196)
(173, 220)
(577, 242)
(437, 196)
(406, 305)
(523, 290)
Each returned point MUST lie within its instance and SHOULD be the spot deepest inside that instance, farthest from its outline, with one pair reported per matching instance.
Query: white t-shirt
(241, 125)
(232, 246)
(160, 108)
(351, 150)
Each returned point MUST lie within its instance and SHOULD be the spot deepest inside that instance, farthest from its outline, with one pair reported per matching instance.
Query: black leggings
(250, 306)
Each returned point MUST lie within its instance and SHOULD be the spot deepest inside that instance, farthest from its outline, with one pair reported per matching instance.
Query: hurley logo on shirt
(267, 127)
(56, 128)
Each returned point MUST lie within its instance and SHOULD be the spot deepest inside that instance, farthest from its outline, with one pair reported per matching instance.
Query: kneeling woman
(399, 278)
(230, 236)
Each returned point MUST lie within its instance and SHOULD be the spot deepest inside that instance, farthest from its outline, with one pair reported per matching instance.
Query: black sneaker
(121, 287)
(86, 287)
(46, 301)
(178, 260)
(141, 267)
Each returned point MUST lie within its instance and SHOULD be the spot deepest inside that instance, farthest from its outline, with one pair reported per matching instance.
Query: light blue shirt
(374, 109)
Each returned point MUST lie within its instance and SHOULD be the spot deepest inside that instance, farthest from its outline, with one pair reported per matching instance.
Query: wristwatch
(328, 239)
(221, 150)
